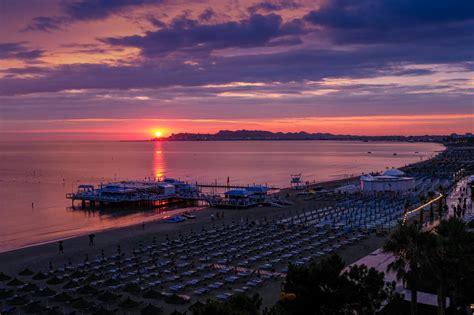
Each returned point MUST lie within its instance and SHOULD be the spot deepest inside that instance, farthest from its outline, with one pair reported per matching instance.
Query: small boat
(176, 219)
(370, 152)
(188, 215)
(395, 154)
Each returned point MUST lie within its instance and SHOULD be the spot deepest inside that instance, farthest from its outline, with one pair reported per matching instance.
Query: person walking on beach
(91, 239)
(61, 248)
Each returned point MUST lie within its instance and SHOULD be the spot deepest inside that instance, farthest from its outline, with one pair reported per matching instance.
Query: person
(143, 225)
(212, 216)
(61, 248)
(91, 239)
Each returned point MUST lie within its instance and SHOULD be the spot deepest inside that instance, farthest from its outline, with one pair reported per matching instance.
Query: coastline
(82, 234)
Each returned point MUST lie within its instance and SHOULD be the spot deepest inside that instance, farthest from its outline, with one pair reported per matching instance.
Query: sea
(35, 176)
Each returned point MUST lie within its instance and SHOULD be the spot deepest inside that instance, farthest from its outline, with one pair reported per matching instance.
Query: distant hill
(229, 135)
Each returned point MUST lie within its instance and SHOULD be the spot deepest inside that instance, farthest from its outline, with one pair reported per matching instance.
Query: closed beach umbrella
(4, 277)
(77, 274)
(55, 281)
(40, 276)
(5, 293)
(93, 277)
(103, 311)
(62, 297)
(111, 282)
(26, 272)
(108, 296)
(46, 292)
(15, 283)
(35, 308)
(80, 304)
(87, 289)
(151, 309)
(18, 300)
(71, 284)
(30, 287)
(152, 294)
(132, 288)
(129, 304)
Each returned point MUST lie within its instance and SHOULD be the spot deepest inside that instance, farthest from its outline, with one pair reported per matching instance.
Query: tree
(239, 304)
(452, 262)
(410, 246)
(367, 289)
(324, 288)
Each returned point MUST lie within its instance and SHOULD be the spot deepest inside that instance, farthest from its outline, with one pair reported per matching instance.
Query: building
(390, 180)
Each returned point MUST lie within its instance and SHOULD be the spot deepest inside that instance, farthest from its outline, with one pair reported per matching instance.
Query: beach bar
(136, 192)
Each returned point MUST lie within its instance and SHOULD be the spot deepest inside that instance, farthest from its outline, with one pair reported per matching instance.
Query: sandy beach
(77, 250)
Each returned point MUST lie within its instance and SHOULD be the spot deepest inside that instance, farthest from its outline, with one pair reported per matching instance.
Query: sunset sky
(124, 69)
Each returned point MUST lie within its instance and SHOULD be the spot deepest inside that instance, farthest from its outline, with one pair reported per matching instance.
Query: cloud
(395, 21)
(45, 24)
(188, 35)
(18, 50)
(86, 10)
(275, 5)
(83, 10)
(295, 65)
(207, 14)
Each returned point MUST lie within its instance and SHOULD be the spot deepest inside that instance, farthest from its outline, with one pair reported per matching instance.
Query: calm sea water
(35, 177)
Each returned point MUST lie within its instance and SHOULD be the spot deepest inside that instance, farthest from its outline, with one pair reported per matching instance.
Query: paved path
(380, 260)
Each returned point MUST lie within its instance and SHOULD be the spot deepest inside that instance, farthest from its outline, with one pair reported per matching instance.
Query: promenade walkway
(380, 260)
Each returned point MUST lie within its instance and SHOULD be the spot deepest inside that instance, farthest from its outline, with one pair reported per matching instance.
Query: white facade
(391, 180)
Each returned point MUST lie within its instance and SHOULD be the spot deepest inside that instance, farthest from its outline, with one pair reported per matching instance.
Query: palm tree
(449, 260)
(410, 246)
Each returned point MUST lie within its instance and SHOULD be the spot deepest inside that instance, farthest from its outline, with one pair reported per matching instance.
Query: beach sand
(39, 257)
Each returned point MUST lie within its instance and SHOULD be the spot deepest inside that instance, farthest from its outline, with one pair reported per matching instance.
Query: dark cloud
(156, 22)
(85, 10)
(395, 21)
(276, 5)
(18, 50)
(207, 14)
(45, 24)
(390, 13)
(291, 66)
(189, 35)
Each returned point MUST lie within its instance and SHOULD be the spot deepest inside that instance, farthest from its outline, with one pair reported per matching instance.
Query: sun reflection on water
(159, 167)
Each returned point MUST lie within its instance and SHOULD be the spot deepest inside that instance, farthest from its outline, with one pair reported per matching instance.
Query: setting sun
(157, 134)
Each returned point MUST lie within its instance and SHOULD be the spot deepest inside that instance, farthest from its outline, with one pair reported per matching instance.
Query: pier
(225, 186)
(137, 193)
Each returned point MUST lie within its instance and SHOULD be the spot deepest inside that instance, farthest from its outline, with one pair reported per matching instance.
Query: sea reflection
(159, 165)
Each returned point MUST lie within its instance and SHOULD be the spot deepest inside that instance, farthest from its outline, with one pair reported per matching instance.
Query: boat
(176, 219)
(189, 215)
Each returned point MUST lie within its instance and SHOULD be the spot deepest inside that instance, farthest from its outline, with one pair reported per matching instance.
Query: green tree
(452, 262)
(239, 304)
(410, 246)
(324, 288)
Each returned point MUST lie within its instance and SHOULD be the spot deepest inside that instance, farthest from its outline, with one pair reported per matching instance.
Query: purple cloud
(18, 50)
(184, 34)
(273, 5)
